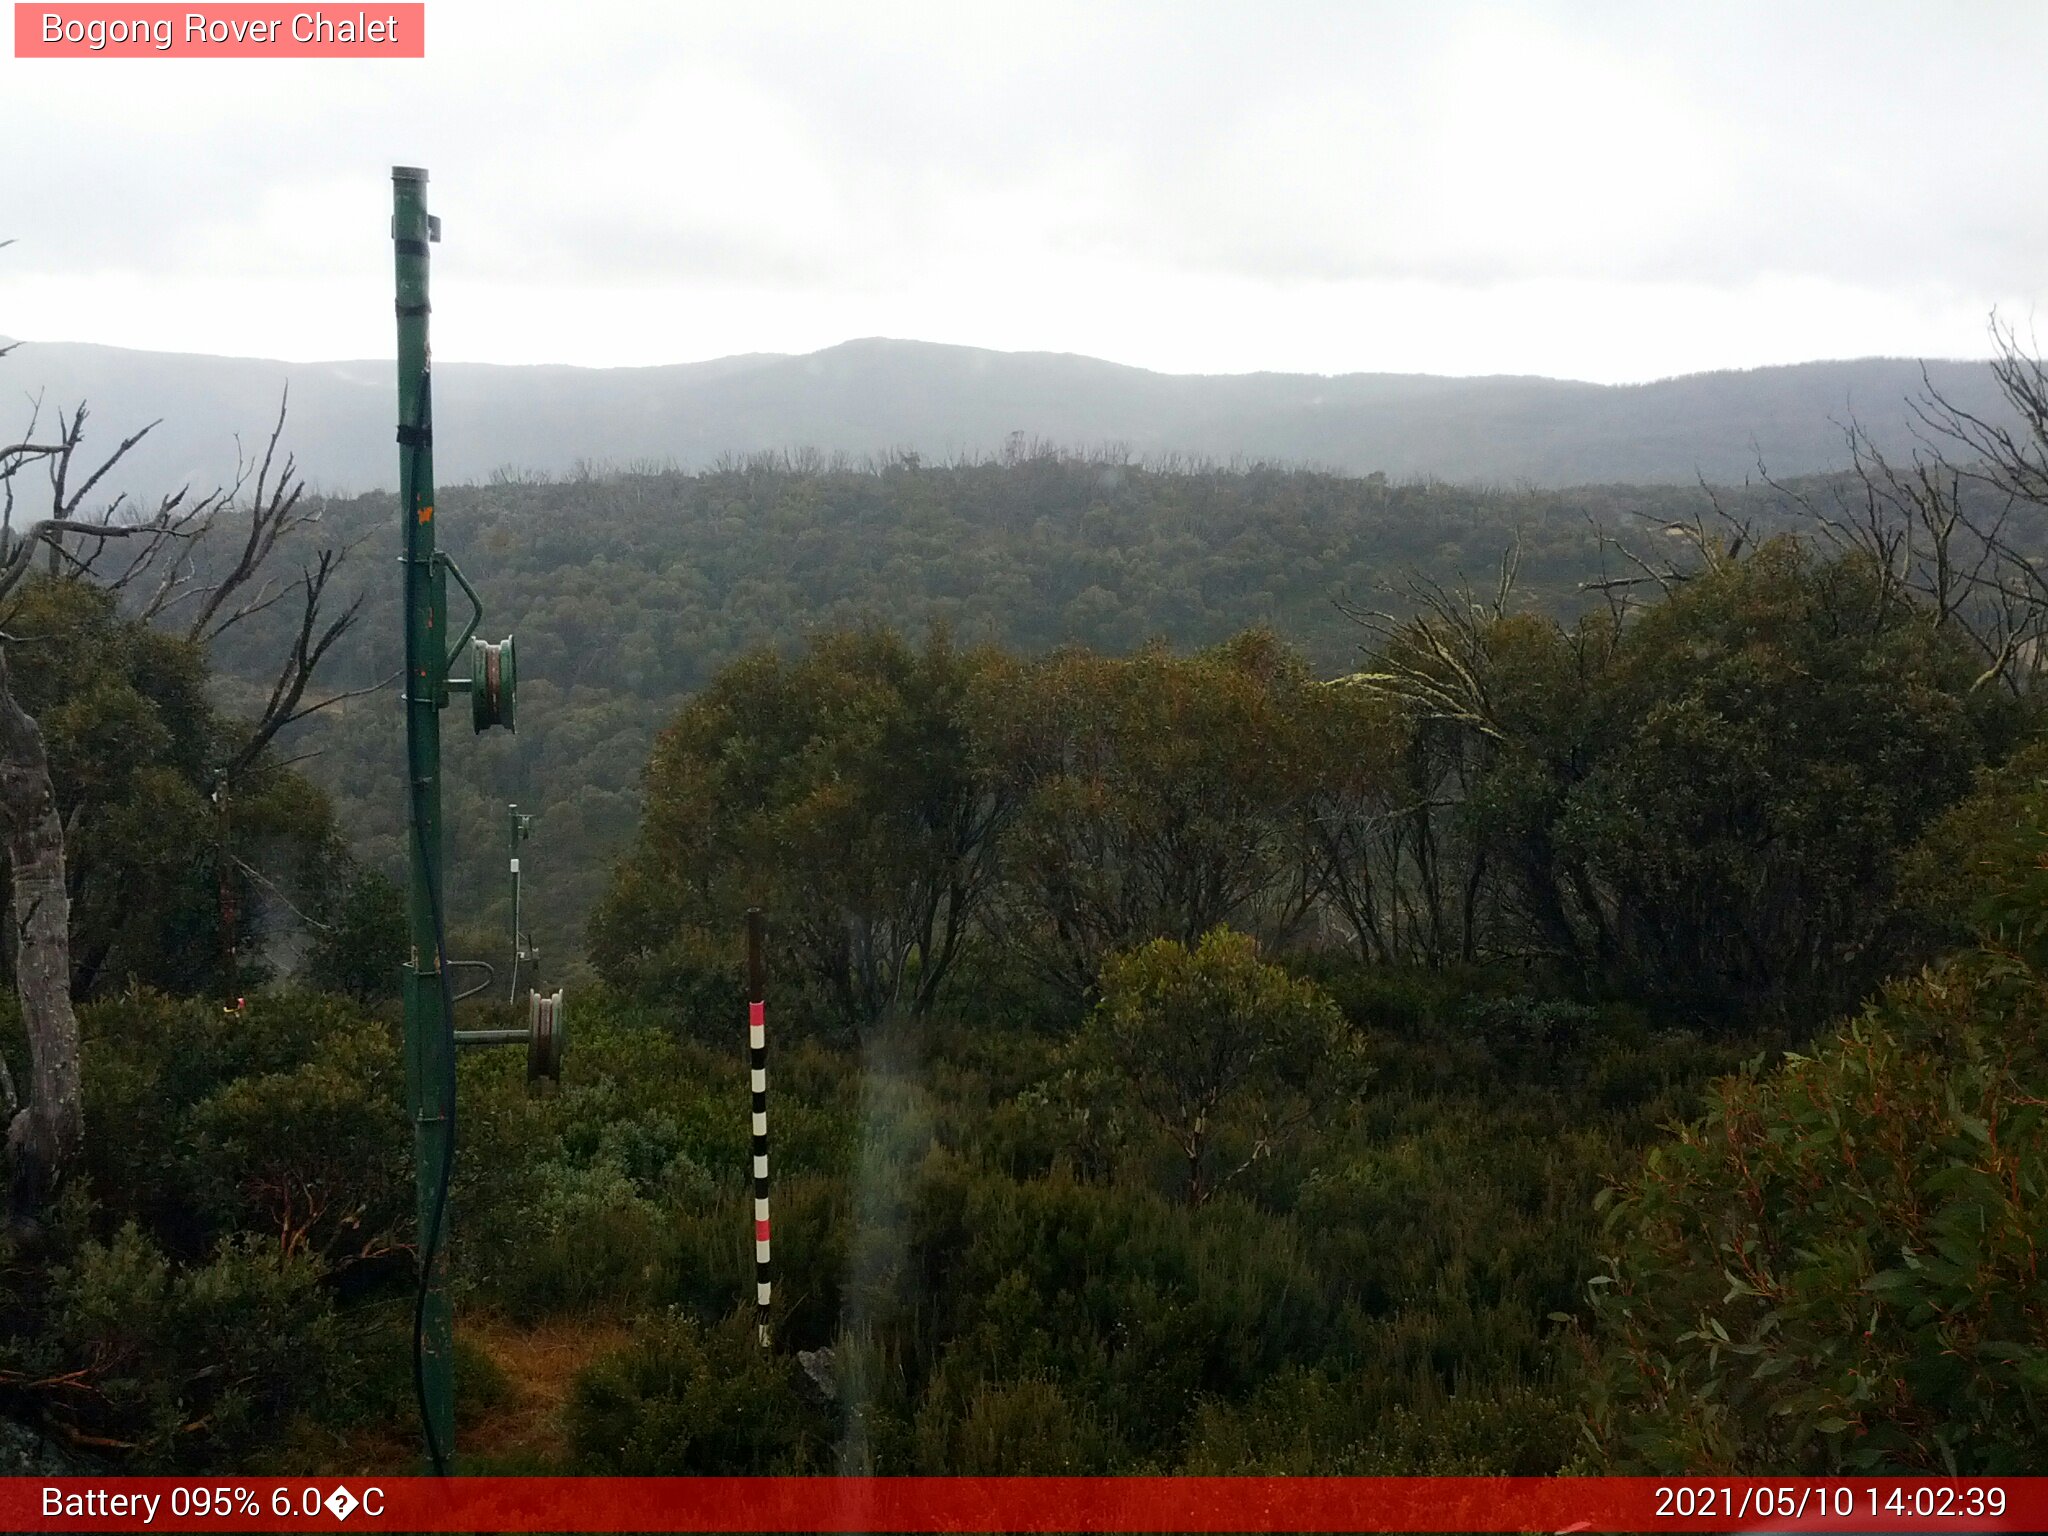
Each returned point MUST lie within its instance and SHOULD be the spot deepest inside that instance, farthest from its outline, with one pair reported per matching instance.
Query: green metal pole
(429, 1041)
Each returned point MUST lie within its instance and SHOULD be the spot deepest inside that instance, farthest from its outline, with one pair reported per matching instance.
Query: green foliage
(316, 1155)
(1129, 1302)
(362, 947)
(1531, 1036)
(1009, 1429)
(133, 735)
(1227, 1057)
(1835, 1271)
(842, 792)
(628, 1185)
(1960, 878)
(1704, 808)
(1782, 730)
(684, 1399)
(632, 593)
(983, 1315)
(252, 1171)
(1159, 797)
(174, 1365)
(900, 812)
(984, 1318)
(1304, 1424)
(595, 1247)
(285, 1119)
(1168, 1231)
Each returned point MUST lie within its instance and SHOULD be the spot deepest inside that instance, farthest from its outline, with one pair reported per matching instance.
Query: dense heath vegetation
(1210, 1032)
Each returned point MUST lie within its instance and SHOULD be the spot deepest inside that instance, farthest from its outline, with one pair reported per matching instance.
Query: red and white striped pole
(757, 1066)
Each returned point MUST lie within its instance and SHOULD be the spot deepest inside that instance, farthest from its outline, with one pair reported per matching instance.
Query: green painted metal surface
(429, 1037)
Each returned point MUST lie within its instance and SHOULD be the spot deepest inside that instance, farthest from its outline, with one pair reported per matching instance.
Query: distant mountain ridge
(874, 396)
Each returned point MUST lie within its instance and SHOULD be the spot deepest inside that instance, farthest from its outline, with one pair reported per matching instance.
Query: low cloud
(841, 161)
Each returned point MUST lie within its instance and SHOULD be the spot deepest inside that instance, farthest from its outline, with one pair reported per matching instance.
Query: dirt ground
(540, 1363)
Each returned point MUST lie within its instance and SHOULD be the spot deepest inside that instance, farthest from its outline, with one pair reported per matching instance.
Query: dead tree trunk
(47, 1131)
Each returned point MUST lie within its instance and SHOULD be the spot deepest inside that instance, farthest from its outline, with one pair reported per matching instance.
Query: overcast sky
(1607, 192)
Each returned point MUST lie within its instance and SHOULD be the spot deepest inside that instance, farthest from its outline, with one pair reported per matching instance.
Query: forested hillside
(877, 396)
(628, 592)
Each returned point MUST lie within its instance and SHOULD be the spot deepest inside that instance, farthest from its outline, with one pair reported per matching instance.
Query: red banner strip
(919, 1504)
(375, 30)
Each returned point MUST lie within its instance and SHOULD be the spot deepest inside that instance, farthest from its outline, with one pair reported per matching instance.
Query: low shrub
(1835, 1270)
(683, 1398)
(184, 1365)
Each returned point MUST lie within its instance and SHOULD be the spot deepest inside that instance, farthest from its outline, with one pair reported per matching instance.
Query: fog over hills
(874, 396)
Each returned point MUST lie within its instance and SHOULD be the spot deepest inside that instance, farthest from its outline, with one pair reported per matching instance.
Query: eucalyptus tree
(187, 570)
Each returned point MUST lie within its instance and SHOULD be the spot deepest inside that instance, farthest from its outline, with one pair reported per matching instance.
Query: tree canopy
(1835, 1270)
(165, 880)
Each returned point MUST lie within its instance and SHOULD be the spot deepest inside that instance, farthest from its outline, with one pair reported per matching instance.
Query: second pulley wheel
(494, 684)
(547, 1034)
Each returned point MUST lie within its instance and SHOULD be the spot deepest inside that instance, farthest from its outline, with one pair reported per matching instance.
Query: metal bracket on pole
(476, 604)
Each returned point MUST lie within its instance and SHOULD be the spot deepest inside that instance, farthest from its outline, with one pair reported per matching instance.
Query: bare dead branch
(273, 512)
(302, 658)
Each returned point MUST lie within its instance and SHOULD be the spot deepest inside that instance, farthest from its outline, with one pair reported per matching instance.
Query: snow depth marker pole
(757, 1067)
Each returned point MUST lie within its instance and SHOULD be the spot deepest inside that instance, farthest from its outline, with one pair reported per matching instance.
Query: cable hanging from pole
(431, 997)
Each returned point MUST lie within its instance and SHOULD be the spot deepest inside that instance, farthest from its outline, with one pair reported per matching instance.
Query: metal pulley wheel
(493, 688)
(547, 1033)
